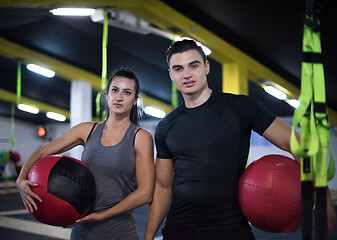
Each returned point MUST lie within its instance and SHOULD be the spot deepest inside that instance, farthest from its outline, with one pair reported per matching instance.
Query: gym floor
(17, 224)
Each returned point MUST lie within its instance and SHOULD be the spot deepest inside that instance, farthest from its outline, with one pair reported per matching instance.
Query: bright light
(27, 108)
(73, 11)
(41, 70)
(275, 92)
(155, 112)
(56, 116)
(41, 132)
(140, 102)
(206, 50)
(293, 102)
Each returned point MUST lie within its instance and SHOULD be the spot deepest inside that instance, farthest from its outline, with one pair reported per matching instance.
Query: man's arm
(278, 133)
(161, 198)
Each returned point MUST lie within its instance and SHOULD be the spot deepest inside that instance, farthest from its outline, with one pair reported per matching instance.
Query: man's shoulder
(230, 98)
(171, 116)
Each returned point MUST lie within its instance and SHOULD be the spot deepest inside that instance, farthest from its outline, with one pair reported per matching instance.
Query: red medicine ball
(66, 187)
(270, 194)
(16, 157)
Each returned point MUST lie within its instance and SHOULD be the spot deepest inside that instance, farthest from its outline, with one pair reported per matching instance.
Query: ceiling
(267, 33)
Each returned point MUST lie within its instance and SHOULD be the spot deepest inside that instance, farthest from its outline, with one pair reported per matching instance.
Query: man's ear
(208, 67)
(170, 74)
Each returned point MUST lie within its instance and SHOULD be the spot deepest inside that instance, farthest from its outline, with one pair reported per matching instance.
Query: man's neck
(197, 99)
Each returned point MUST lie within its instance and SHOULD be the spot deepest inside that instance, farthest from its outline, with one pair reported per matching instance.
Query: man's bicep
(164, 172)
(278, 133)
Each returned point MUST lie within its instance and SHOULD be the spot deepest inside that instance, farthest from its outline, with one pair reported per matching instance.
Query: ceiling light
(123, 19)
(275, 92)
(41, 70)
(155, 112)
(56, 116)
(28, 108)
(73, 11)
(293, 102)
(206, 50)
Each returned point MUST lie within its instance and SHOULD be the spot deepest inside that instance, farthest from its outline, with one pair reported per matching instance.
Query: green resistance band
(315, 135)
(104, 69)
(312, 113)
(12, 139)
(18, 101)
(174, 93)
(174, 96)
(18, 85)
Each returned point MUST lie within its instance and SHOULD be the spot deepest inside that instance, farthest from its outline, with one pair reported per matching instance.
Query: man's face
(188, 72)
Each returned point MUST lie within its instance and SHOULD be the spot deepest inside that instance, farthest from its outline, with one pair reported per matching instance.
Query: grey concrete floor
(17, 224)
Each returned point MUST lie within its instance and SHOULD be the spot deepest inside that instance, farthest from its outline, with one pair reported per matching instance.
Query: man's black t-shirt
(209, 145)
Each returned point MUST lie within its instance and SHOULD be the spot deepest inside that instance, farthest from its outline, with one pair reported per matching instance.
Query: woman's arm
(145, 174)
(73, 137)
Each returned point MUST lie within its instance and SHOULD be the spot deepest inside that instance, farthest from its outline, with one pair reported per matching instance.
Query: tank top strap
(100, 128)
(96, 133)
(134, 136)
(91, 131)
(128, 137)
(131, 130)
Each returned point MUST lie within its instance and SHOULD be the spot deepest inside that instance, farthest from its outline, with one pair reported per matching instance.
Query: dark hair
(127, 73)
(183, 46)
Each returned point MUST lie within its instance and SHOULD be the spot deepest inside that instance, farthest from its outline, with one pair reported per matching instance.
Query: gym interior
(252, 46)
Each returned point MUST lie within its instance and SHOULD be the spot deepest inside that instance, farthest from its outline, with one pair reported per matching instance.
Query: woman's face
(121, 95)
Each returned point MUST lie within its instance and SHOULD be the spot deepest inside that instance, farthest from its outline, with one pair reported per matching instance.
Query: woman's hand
(93, 217)
(27, 195)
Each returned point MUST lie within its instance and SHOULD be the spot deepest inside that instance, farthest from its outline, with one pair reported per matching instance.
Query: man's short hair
(183, 46)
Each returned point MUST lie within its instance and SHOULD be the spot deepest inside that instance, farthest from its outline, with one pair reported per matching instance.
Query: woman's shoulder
(142, 132)
(85, 125)
(142, 135)
(84, 128)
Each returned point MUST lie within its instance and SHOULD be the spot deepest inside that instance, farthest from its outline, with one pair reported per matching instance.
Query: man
(202, 148)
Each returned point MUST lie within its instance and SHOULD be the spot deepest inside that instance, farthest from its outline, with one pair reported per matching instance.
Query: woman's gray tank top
(114, 169)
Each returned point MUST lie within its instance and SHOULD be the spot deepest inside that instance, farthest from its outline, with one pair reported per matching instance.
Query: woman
(120, 156)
